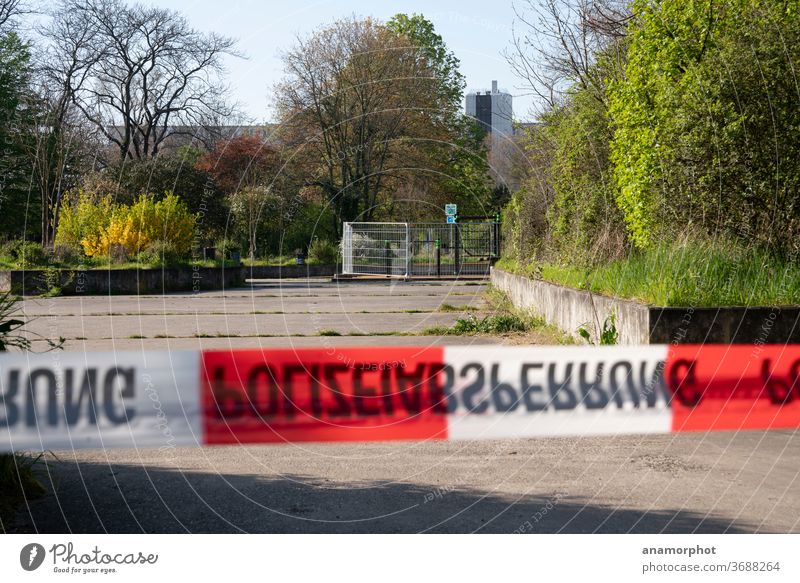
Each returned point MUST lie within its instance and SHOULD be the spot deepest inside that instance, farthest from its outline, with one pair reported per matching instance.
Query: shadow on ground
(99, 498)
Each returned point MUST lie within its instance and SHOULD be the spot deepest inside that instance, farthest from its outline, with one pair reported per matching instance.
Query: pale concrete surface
(721, 482)
(263, 314)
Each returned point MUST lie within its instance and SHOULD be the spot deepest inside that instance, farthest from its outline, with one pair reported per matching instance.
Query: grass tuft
(452, 308)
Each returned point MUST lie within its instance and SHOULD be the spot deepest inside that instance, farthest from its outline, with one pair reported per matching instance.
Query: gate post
(496, 242)
(438, 258)
(409, 253)
(457, 249)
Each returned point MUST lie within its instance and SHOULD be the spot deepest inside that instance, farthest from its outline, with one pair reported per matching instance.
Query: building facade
(494, 110)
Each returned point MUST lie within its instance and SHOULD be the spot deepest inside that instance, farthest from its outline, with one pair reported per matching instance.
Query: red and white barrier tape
(168, 399)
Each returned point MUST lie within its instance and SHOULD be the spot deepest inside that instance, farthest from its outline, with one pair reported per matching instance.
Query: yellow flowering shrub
(82, 216)
(98, 226)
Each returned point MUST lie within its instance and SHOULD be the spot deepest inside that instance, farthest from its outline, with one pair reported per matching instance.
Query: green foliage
(584, 221)
(492, 324)
(300, 223)
(323, 252)
(20, 254)
(451, 308)
(328, 332)
(690, 272)
(608, 334)
(82, 214)
(677, 179)
(227, 246)
(707, 123)
(443, 63)
(466, 181)
(12, 325)
(30, 254)
(18, 206)
(566, 207)
(160, 254)
(9, 338)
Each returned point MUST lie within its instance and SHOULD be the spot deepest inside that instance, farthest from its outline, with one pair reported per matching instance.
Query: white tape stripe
(562, 384)
(140, 399)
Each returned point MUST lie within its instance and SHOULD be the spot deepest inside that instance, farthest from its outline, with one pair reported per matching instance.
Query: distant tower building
(493, 109)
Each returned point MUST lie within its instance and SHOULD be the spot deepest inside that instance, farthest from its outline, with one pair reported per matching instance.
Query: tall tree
(453, 156)
(15, 200)
(352, 92)
(148, 74)
(61, 147)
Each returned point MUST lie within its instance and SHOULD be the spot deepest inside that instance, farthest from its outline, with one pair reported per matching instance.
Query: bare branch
(555, 44)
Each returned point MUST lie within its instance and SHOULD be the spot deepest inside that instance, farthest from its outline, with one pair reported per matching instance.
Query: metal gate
(420, 249)
(375, 249)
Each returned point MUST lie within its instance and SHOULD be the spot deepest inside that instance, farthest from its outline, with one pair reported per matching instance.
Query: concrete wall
(570, 309)
(121, 281)
(289, 271)
(638, 323)
(149, 281)
(734, 325)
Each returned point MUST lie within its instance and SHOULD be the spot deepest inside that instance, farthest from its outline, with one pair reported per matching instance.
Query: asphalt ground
(693, 482)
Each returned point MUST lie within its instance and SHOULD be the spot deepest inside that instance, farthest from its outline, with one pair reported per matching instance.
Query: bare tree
(143, 73)
(61, 145)
(555, 43)
(9, 10)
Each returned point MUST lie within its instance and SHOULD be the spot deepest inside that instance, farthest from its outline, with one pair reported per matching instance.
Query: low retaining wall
(120, 281)
(148, 281)
(288, 271)
(570, 309)
(638, 323)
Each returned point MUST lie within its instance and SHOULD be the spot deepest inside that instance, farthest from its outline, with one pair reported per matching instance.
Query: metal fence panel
(375, 249)
(420, 249)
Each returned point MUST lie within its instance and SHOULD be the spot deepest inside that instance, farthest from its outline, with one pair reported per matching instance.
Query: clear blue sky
(476, 35)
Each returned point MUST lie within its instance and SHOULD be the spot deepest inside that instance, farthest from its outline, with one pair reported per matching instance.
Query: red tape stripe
(342, 394)
(721, 387)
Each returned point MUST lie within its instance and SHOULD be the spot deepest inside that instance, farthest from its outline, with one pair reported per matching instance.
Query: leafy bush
(82, 215)
(67, 254)
(24, 254)
(11, 248)
(707, 124)
(323, 252)
(159, 253)
(30, 254)
(104, 229)
(227, 246)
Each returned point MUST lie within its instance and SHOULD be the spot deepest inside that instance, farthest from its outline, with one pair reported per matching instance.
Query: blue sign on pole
(451, 220)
